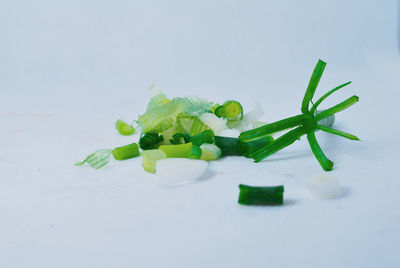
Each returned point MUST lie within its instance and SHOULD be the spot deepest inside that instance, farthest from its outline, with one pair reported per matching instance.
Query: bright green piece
(126, 152)
(123, 128)
(150, 158)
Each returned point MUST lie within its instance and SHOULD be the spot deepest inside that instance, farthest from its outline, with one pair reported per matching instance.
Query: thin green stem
(278, 144)
(337, 108)
(267, 130)
(338, 132)
(318, 102)
(312, 85)
(325, 163)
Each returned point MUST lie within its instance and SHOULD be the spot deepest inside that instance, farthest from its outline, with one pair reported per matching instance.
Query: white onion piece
(177, 171)
(324, 186)
(249, 118)
(232, 133)
(214, 122)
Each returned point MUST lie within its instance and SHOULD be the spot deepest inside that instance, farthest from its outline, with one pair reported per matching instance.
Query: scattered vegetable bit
(247, 148)
(126, 152)
(210, 152)
(98, 159)
(178, 171)
(251, 195)
(180, 138)
(186, 150)
(150, 158)
(324, 186)
(150, 141)
(206, 136)
(305, 123)
(123, 128)
(215, 123)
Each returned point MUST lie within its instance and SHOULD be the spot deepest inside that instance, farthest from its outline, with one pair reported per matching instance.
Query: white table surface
(69, 69)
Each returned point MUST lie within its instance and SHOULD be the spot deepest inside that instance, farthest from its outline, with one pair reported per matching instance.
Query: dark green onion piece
(228, 146)
(206, 136)
(180, 138)
(123, 128)
(126, 152)
(247, 148)
(194, 153)
(150, 141)
(253, 195)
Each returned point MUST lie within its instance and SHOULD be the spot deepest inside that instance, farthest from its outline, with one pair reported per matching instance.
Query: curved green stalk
(325, 163)
(312, 85)
(326, 95)
(338, 132)
(337, 108)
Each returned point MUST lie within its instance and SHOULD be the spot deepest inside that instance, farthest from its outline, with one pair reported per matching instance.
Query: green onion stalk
(305, 123)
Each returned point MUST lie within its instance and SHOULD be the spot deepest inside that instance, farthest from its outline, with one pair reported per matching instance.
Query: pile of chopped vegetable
(193, 128)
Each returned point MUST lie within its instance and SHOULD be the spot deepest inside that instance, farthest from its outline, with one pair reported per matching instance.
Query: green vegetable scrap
(251, 195)
(123, 128)
(150, 141)
(306, 124)
(126, 152)
(190, 127)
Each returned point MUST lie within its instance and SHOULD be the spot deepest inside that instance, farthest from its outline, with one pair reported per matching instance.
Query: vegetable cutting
(193, 127)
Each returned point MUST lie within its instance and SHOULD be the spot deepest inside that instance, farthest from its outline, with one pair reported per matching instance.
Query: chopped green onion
(305, 123)
(150, 141)
(180, 138)
(228, 146)
(210, 152)
(126, 152)
(206, 136)
(252, 195)
(123, 128)
(194, 153)
(233, 110)
(150, 158)
(180, 151)
(248, 148)
(220, 111)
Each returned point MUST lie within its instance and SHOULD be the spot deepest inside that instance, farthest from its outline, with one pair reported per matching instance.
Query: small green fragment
(252, 195)
(180, 138)
(210, 152)
(126, 152)
(228, 146)
(150, 141)
(206, 136)
(150, 158)
(124, 128)
(98, 159)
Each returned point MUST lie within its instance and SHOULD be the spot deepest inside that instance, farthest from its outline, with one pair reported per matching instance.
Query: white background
(69, 69)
